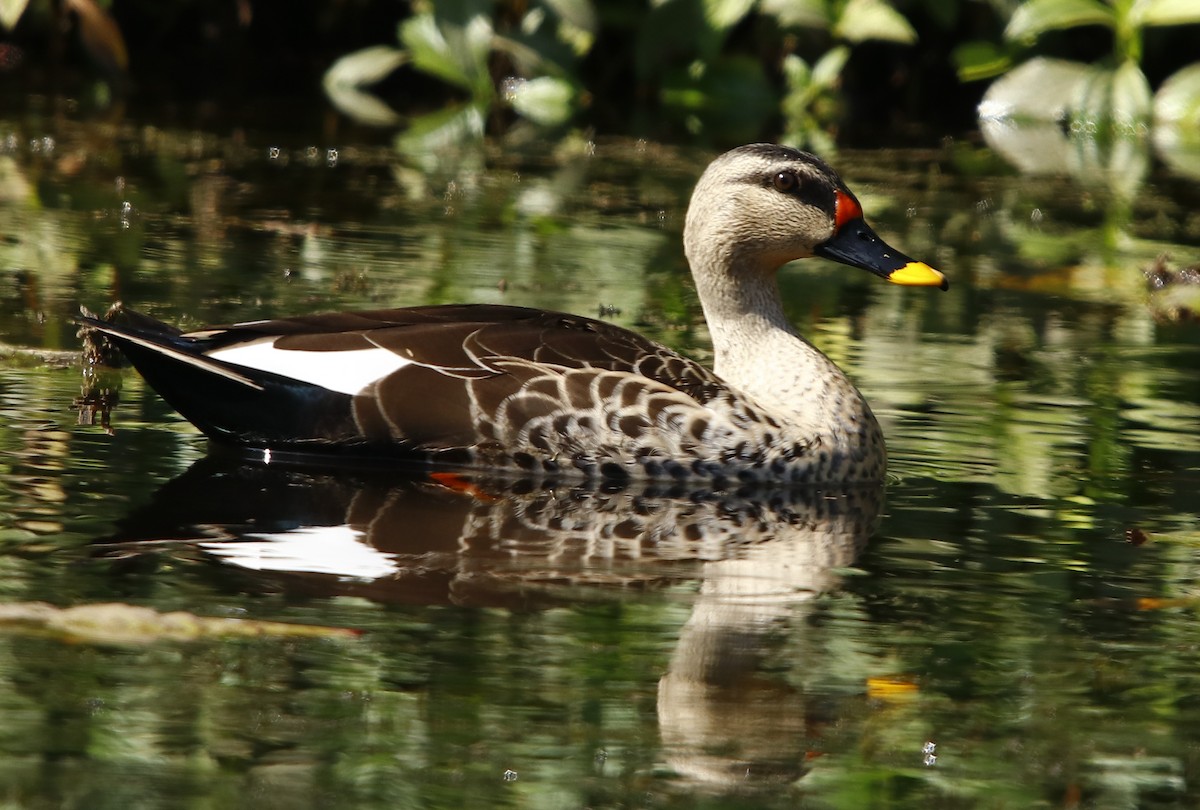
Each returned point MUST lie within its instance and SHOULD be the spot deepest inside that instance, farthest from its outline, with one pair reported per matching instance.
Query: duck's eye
(786, 182)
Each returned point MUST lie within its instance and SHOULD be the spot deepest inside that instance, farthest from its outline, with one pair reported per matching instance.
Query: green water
(1018, 631)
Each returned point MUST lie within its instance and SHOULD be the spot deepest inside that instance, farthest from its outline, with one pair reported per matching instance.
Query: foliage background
(859, 72)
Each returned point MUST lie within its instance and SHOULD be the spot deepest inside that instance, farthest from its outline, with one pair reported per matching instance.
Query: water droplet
(510, 775)
(511, 86)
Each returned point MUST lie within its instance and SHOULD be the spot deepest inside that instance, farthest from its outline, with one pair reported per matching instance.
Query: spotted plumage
(552, 394)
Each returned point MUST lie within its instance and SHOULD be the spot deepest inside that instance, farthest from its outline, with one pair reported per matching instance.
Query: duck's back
(488, 386)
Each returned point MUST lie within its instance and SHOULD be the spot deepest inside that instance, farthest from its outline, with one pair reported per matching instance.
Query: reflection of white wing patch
(348, 372)
(337, 550)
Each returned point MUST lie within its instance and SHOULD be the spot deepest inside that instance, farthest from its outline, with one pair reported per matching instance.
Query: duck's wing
(426, 378)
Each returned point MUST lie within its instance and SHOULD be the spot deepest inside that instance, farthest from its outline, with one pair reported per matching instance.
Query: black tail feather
(227, 402)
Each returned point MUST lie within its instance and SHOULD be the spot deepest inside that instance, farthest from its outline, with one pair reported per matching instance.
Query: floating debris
(120, 624)
(1135, 536)
(94, 406)
(890, 689)
(929, 749)
(25, 356)
(1174, 294)
(98, 350)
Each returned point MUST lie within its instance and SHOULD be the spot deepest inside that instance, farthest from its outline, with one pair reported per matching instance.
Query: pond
(1012, 626)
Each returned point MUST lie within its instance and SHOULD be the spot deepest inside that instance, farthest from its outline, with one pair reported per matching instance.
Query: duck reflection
(759, 554)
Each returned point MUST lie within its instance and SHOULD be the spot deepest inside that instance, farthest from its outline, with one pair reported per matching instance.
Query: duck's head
(763, 205)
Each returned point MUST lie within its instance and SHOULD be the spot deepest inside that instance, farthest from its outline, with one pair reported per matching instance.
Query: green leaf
(1112, 96)
(723, 14)
(362, 106)
(796, 72)
(543, 28)
(578, 13)
(430, 51)
(979, 60)
(1178, 100)
(364, 67)
(544, 100)
(11, 11)
(800, 13)
(430, 138)
(862, 20)
(1038, 16)
(454, 53)
(800, 89)
(828, 69)
(1131, 97)
(1038, 90)
(525, 57)
(810, 105)
(1167, 12)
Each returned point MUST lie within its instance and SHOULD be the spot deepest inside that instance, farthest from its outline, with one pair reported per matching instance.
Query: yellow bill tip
(918, 274)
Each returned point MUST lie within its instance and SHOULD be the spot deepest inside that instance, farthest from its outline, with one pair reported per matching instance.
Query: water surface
(1013, 626)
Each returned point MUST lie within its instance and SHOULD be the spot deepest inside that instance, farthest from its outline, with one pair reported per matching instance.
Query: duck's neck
(759, 352)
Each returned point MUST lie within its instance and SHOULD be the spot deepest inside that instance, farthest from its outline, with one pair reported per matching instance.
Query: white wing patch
(337, 550)
(348, 372)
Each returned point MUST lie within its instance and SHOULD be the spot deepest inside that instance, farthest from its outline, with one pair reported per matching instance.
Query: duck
(542, 394)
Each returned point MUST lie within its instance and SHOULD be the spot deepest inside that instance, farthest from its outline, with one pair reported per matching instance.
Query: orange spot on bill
(847, 209)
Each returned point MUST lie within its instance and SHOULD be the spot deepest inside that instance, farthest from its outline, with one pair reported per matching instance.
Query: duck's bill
(857, 245)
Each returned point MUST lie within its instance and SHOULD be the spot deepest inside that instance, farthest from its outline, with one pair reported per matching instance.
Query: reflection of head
(722, 719)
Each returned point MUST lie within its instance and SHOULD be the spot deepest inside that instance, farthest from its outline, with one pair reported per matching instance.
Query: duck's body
(545, 393)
